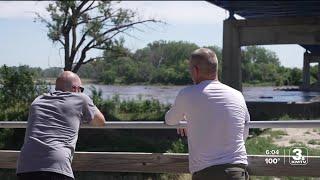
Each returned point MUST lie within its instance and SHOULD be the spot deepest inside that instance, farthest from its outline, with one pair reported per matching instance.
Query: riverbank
(94, 81)
(84, 80)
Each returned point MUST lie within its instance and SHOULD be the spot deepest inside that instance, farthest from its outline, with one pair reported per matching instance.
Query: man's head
(69, 81)
(203, 65)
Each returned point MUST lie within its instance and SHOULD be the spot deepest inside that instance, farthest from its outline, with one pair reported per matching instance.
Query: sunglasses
(80, 87)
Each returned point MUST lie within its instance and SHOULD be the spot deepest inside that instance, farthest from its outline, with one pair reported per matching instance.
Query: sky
(24, 41)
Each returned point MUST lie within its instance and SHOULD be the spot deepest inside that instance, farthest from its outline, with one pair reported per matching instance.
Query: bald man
(52, 130)
(216, 115)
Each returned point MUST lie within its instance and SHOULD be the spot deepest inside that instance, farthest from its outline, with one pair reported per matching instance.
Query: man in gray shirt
(216, 116)
(52, 130)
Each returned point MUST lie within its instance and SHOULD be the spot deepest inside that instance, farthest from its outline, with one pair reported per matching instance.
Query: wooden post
(231, 60)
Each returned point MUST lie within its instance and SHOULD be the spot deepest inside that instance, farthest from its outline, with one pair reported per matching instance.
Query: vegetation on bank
(129, 110)
(19, 88)
(165, 62)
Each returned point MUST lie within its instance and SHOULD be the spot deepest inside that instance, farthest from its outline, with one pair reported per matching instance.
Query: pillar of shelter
(318, 73)
(231, 60)
(306, 71)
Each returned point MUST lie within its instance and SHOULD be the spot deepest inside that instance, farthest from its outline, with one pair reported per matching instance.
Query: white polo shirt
(216, 115)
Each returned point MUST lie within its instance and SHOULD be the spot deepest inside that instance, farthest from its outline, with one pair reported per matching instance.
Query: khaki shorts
(223, 172)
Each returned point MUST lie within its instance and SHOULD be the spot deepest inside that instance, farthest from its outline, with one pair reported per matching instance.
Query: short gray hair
(206, 60)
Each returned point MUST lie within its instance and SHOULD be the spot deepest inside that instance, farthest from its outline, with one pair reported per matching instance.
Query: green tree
(81, 26)
(257, 54)
(167, 53)
(168, 59)
(314, 74)
(260, 65)
(295, 77)
(51, 72)
(18, 89)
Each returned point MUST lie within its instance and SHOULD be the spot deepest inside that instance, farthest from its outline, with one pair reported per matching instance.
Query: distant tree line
(166, 62)
(160, 62)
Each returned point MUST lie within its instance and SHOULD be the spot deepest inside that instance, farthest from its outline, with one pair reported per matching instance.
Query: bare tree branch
(89, 7)
(78, 9)
(87, 31)
(106, 39)
(99, 28)
(92, 59)
(118, 28)
(61, 42)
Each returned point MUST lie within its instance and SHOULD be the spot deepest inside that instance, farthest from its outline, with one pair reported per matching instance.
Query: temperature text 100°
(272, 160)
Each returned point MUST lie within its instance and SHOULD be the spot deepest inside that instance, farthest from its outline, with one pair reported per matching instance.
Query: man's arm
(98, 119)
(246, 125)
(91, 113)
(176, 113)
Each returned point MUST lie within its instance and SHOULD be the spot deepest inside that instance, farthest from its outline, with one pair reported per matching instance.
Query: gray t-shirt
(216, 116)
(52, 132)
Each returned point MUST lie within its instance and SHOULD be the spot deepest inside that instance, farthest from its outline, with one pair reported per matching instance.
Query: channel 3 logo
(298, 156)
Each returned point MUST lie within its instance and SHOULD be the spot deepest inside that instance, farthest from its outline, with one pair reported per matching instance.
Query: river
(167, 94)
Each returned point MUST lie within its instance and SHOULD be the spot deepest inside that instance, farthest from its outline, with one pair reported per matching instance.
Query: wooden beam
(280, 30)
(290, 34)
(161, 125)
(167, 163)
(131, 162)
(277, 21)
(312, 57)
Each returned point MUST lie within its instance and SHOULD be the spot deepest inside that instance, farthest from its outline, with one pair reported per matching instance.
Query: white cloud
(184, 12)
(22, 9)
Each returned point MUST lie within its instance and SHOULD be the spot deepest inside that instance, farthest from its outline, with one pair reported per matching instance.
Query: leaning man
(52, 130)
(216, 115)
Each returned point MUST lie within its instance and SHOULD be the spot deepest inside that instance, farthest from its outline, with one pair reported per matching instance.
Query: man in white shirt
(216, 115)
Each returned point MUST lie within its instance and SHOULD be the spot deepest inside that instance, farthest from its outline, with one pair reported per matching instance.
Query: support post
(231, 52)
(306, 71)
(318, 84)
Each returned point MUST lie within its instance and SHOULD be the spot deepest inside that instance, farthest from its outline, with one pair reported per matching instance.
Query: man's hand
(182, 132)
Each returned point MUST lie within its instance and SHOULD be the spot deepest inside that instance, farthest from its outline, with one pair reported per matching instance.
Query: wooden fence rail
(173, 163)
(168, 163)
(162, 125)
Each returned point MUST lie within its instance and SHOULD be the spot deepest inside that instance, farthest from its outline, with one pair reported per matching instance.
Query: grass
(285, 117)
(277, 134)
(295, 142)
(314, 142)
(257, 145)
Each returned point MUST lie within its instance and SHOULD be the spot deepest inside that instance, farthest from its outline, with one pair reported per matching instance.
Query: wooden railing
(162, 125)
(167, 163)
(173, 163)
